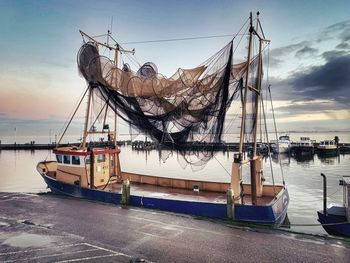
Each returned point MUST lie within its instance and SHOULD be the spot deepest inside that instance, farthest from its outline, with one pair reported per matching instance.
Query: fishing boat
(171, 111)
(327, 147)
(303, 147)
(282, 145)
(336, 219)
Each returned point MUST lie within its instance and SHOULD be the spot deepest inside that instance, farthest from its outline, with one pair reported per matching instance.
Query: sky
(309, 56)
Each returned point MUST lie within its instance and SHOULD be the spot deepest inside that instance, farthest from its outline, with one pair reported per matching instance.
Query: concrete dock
(51, 228)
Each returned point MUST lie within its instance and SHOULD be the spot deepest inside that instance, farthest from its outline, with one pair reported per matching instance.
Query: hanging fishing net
(188, 108)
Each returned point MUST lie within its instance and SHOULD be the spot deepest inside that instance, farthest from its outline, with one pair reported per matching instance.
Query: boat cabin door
(112, 163)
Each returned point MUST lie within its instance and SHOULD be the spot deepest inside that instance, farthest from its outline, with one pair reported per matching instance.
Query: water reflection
(330, 160)
(282, 158)
(306, 158)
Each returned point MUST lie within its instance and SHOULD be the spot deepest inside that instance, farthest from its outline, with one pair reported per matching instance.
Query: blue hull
(271, 215)
(335, 223)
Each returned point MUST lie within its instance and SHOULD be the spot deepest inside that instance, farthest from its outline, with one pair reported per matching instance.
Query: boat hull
(327, 152)
(303, 150)
(272, 214)
(281, 147)
(335, 223)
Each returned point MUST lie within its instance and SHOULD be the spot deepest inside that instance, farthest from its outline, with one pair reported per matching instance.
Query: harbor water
(302, 176)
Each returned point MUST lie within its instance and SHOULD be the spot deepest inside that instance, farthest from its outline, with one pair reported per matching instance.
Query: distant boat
(282, 145)
(170, 110)
(303, 147)
(327, 147)
(336, 219)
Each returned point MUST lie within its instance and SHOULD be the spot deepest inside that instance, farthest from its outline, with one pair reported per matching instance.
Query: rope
(99, 114)
(329, 224)
(268, 148)
(82, 95)
(229, 174)
(242, 34)
(274, 121)
(336, 191)
(273, 111)
(180, 39)
(76, 109)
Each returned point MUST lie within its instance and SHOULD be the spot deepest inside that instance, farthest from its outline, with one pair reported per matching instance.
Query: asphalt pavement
(51, 228)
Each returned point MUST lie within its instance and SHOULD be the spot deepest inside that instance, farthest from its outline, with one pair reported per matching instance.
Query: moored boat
(336, 219)
(152, 104)
(327, 147)
(282, 145)
(303, 147)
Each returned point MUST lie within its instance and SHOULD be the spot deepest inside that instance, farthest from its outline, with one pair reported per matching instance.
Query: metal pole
(324, 194)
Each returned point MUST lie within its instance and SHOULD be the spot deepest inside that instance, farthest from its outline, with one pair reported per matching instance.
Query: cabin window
(75, 160)
(101, 158)
(66, 159)
(59, 158)
(87, 159)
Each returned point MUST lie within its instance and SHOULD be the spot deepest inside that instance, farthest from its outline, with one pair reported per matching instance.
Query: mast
(83, 145)
(257, 98)
(117, 48)
(241, 141)
(236, 172)
(115, 115)
(255, 161)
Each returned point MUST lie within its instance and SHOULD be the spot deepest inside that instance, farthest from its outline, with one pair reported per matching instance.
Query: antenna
(111, 25)
(109, 32)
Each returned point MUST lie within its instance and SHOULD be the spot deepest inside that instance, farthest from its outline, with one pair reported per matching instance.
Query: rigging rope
(268, 148)
(180, 39)
(76, 109)
(272, 109)
(274, 121)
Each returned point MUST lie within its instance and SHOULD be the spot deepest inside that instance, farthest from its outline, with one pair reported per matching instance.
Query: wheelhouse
(87, 168)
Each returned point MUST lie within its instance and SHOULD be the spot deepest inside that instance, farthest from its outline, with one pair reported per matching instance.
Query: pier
(344, 148)
(50, 228)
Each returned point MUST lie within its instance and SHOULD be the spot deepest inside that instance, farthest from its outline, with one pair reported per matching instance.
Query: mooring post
(324, 193)
(230, 204)
(126, 192)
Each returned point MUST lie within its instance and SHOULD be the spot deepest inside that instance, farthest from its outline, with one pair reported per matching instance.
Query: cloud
(329, 55)
(275, 62)
(326, 82)
(343, 45)
(283, 51)
(306, 52)
(340, 30)
(304, 49)
(298, 107)
(333, 75)
(345, 35)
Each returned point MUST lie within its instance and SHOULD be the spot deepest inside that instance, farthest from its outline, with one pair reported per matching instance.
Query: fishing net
(188, 108)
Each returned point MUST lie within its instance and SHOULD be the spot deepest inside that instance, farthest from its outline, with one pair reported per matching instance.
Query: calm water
(18, 174)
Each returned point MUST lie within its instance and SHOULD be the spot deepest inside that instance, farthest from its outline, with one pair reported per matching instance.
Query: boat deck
(172, 193)
(137, 189)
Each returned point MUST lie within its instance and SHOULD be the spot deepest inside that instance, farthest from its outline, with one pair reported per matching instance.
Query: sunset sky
(39, 81)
